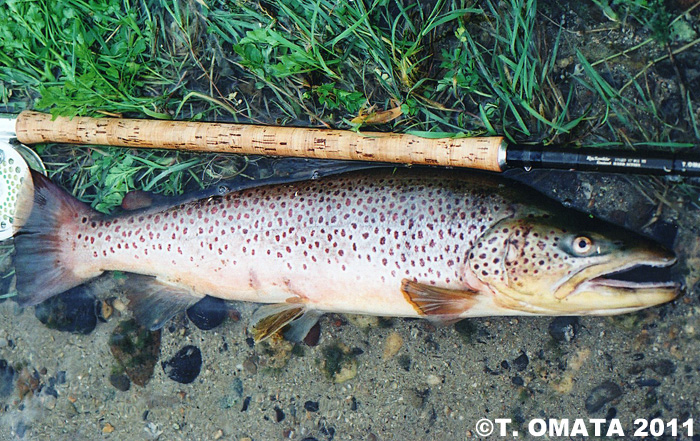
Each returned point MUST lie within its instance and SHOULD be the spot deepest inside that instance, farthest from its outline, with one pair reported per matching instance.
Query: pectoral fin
(154, 301)
(440, 304)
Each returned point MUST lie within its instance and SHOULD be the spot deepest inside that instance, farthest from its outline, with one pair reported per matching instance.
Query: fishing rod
(484, 153)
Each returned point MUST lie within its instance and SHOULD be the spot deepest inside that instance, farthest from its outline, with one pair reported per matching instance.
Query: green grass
(452, 66)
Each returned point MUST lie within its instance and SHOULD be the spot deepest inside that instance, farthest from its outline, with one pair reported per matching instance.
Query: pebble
(311, 406)
(106, 310)
(313, 336)
(564, 329)
(663, 367)
(185, 365)
(434, 380)
(467, 329)
(107, 428)
(73, 311)
(363, 321)
(405, 362)
(647, 382)
(218, 434)
(279, 414)
(208, 313)
(7, 377)
(27, 382)
(120, 382)
(3, 342)
(250, 364)
(48, 401)
(119, 305)
(606, 392)
(392, 345)
(136, 350)
(521, 362)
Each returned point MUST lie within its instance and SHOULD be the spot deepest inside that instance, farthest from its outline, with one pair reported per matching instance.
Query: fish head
(548, 265)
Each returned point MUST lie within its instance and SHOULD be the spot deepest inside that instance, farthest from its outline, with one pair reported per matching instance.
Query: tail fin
(42, 262)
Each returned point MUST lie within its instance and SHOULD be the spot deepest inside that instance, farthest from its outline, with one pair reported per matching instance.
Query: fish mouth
(636, 285)
(636, 277)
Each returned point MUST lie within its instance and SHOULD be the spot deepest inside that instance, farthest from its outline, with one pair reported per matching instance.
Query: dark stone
(246, 403)
(313, 336)
(208, 313)
(353, 403)
(488, 370)
(385, 322)
(136, 350)
(518, 380)
(564, 329)
(50, 390)
(329, 432)
(505, 365)
(611, 413)
(467, 329)
(647, 382)
(606, 392)
(357, 351)
(405, 362)
(311, 406)
(73, 311)
(521, 362)
(61, 377)
(185, 365)
(7, 379)
(663, 367)
(120, 382)
(638, 357)
(309, 438)
(279, 415)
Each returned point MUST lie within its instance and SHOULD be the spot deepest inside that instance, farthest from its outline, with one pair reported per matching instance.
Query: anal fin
(154, 301)
(439, 304)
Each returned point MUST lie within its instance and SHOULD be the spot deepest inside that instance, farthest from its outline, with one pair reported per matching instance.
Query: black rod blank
(638, 162)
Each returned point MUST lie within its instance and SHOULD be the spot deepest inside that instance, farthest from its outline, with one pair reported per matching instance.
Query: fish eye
(582, 245)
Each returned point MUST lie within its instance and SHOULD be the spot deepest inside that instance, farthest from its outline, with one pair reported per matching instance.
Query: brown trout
(433, 245)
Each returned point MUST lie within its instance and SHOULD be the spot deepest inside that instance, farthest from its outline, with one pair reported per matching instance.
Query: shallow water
(412, 381)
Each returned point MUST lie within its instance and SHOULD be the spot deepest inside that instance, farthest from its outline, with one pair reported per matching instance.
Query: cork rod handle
(486, 153)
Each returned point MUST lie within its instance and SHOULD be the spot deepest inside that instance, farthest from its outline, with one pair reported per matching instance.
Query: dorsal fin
(440, 304)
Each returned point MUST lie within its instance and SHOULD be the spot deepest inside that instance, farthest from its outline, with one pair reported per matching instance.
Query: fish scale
(312, 240)
(414, 244)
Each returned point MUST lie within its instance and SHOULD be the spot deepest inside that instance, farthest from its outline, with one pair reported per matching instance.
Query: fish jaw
(594, 291)
(599, 294)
